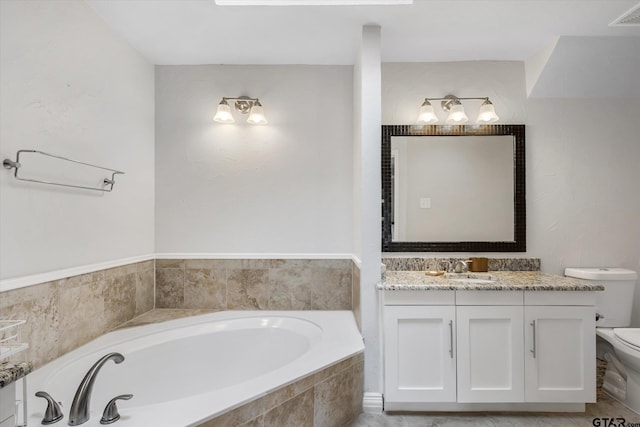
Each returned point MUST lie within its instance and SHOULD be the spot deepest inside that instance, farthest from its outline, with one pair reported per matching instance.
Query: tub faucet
(79, 412)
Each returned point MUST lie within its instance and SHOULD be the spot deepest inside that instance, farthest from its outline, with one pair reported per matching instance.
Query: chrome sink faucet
(460, 267)
(79, 412)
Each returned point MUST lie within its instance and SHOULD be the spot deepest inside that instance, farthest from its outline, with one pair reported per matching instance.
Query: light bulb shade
(256, 115)
(426, 115)
(223, 113)
(487, 113)
(457, 115)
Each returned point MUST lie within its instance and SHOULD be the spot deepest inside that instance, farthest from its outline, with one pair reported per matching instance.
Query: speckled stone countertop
(501, 281)
(11, 372)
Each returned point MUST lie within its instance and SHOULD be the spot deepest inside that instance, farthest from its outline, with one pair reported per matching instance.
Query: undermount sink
(472, 280)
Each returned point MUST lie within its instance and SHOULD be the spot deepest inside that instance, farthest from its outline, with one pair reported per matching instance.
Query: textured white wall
(281, 188)
(583, 184)
(70, 86)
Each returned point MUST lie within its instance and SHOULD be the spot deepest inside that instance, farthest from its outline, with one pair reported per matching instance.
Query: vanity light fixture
(244, 105)
(454, 107)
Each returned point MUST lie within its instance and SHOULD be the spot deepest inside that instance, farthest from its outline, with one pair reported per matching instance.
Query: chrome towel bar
(107, 182)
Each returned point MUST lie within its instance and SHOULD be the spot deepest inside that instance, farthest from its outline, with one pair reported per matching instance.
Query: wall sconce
(454, 107)
(243, 104)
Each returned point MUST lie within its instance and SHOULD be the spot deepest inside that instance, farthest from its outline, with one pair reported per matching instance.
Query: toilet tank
(616, 301)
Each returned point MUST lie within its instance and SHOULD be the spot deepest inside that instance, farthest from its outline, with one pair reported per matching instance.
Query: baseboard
(372, 403)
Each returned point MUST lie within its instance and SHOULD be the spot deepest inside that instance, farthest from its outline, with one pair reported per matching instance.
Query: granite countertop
(502, 281)
(12, 371)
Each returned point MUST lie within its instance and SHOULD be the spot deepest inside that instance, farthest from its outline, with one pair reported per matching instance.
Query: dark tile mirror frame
(519, 199)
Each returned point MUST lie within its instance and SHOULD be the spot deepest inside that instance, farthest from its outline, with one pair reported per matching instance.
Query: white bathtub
(185, 371)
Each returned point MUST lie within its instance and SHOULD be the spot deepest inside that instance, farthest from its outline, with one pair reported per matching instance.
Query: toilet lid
(630, 336)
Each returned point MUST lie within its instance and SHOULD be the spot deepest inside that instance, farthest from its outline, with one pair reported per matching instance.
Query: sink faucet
(79, 412)
(460, 267)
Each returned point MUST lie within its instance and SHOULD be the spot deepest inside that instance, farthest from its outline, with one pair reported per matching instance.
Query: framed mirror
(453, 188)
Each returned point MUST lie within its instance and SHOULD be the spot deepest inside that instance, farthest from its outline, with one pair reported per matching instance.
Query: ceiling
(200, 32)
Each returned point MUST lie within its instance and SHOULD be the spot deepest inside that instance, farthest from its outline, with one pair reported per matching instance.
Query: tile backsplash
(495, 264)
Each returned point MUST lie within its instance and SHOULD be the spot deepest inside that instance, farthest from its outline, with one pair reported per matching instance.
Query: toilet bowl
(616, 342)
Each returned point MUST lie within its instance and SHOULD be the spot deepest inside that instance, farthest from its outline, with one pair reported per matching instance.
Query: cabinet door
(560, 354)
(490, 347)
(419, 354)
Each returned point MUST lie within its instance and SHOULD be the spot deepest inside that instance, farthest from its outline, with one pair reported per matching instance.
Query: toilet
(616, 341)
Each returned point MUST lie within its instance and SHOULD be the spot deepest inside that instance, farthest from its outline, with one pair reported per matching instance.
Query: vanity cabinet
(419, 350)
(488, 347)
(560, 358)
(490, 366)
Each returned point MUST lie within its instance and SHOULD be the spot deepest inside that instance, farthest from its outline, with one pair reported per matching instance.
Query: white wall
(583, 179)
(583, 184)
(243, 189)
(71, 87)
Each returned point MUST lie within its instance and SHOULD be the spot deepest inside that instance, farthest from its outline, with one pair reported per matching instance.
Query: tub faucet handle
(111, 414)
(53, 413)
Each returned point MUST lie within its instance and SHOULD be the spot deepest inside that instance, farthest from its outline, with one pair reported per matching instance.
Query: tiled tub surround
(254, 284)
(423, 264)
(65, 314)
(328, 398)
(503, 281)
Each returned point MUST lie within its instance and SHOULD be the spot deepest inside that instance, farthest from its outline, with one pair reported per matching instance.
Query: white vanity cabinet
(419, 348)
(560, 360)
(490, 366)
(465, 349)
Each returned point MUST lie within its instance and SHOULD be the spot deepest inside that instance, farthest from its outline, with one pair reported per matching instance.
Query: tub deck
(322, 387)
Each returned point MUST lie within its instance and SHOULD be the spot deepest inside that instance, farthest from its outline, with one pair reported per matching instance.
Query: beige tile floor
(606, 407)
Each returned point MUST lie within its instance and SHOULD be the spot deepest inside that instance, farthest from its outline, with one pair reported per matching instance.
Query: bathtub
(186, 371)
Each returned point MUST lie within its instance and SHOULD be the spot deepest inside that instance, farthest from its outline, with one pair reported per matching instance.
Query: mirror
(453, 188)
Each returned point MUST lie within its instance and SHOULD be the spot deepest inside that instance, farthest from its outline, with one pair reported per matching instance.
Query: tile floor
(607, 407)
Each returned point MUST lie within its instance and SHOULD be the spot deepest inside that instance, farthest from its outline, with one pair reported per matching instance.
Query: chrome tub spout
(79, 412)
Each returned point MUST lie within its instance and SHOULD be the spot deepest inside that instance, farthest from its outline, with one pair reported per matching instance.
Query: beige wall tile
(38, 305)
(82, 315)
(333, 401)
(281, 395)
(146, 265)
(290, 288)
(119, 295)
(248, 289)
(145, 298)
(296, 412)
(213, 264)
(331, 288)
(169, 288)
(355, 297)
(17, 296)
(205, 288)
(170, 263)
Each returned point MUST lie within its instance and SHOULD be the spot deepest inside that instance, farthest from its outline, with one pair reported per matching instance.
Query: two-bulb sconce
(454, 107)
(244, 105)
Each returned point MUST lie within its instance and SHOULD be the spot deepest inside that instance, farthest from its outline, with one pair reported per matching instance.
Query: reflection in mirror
(453, 188)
